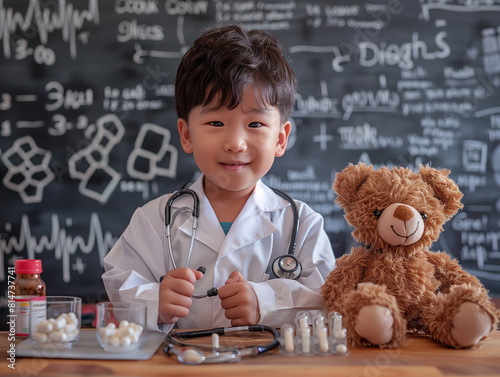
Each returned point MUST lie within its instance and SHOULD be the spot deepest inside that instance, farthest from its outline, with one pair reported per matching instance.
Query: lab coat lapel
(252, 224)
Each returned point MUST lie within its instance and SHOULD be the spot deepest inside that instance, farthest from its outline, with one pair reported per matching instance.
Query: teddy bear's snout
(400, 224)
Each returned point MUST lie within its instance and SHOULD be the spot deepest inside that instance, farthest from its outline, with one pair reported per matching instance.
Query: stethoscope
(195, 353)
(285, 266)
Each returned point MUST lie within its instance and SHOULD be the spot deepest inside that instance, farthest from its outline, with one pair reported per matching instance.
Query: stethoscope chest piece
(287, 267)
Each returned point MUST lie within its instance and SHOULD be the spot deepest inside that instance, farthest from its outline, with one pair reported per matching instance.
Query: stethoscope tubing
(250, 350)
(282, 267)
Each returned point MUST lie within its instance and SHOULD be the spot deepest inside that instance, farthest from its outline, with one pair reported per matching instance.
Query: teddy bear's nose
(403, 213)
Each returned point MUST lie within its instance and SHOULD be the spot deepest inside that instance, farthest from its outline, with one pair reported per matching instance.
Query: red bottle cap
(28, 266)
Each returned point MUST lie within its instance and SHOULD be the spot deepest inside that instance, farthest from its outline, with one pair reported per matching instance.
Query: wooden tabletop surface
(419, 356)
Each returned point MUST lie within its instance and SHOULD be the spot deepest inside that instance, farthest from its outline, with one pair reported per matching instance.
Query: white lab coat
(260, 234)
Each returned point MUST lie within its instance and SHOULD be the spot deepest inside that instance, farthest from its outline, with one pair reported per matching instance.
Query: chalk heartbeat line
(59, 241)
(66, 18)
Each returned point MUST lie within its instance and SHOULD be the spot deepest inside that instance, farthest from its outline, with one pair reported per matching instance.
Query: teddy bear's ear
(349, 180)
(444, 188)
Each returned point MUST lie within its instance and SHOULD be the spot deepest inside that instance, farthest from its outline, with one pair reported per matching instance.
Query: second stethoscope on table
(285, 266)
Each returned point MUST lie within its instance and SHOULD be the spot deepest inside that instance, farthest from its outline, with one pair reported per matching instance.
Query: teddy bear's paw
(375, 324)
(470, 324)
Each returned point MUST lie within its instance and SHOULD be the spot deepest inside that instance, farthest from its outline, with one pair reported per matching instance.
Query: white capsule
(111, 325)
(136, 327)
(322, 339)
(124, 323)
(60, 322)
(306, 340)
(39, 337)
(105, 339)
(341, 348)
(125, 331)
(134, 338)
(72, 335)
(125, 341)
(58, 336)
(288, 337)
(70, 327)
(45, 327)
(191, 356)
(107, 332)
(339, 335)
(114, 341)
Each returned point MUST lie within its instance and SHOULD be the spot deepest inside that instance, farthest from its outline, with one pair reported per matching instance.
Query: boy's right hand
(176, 290)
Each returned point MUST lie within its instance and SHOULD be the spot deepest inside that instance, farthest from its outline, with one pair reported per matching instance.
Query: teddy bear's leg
(463, 317)
(372, 317)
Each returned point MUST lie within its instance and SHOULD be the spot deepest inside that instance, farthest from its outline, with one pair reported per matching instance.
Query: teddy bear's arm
(343, 279)
(449, 272)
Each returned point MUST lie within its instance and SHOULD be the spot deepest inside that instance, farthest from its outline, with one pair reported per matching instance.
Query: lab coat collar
(251, 225)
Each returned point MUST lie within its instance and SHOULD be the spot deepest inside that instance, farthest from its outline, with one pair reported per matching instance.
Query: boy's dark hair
(224, 61)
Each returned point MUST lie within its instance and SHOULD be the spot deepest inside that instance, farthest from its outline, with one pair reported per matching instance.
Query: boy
(234, 92)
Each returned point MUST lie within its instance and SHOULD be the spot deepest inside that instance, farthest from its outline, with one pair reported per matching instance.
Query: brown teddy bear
(394, 283)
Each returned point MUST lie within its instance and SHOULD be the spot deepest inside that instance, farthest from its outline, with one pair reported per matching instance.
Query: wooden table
(419, 356)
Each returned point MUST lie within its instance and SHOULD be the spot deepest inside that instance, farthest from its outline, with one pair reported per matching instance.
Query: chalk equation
(43, 21)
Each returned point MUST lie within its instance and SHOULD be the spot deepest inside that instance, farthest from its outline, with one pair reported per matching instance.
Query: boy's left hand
(239, 301)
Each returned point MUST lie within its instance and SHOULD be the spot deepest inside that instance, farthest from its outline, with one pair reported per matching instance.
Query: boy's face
(234, 148)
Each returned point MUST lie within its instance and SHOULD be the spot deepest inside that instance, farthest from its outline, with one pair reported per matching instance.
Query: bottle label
(38, 311)
(22, 304)
(30, 311)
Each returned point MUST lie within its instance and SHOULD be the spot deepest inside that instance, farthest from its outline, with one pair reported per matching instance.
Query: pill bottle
(29, 296)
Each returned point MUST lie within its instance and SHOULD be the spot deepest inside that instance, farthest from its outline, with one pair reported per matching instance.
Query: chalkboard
(88, 126)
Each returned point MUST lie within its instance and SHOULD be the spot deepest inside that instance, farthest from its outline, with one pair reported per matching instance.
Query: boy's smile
(234, 148)
(234, 165)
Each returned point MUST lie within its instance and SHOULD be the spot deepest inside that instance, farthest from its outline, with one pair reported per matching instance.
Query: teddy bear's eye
(424, 216)
(377, 213)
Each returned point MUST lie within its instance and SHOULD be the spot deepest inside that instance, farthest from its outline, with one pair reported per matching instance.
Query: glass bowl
(59, 325)
(121, 326)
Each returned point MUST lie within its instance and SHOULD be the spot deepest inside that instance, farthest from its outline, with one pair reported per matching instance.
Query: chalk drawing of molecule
(90, 165)
(29, 171)
(151, 149)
